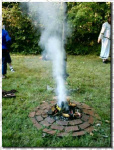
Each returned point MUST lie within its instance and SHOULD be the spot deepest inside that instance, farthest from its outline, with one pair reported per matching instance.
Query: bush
(86, 20)
(24, 36)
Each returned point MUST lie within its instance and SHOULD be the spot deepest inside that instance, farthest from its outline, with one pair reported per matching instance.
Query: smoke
(56, 52)
(51, 19)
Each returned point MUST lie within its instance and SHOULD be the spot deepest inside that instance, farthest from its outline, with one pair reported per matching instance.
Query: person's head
(109, 19)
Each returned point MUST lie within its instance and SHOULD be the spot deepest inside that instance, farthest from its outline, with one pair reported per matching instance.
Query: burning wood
(67, 110)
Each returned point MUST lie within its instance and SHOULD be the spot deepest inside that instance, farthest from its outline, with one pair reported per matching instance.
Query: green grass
(87, 73)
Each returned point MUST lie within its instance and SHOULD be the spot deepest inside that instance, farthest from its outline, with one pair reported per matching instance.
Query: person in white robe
(104, 38)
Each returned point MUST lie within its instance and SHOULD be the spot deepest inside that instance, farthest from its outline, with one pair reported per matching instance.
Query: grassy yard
(87, 73)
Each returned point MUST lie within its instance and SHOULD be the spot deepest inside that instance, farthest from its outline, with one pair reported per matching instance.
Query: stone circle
(75, 127)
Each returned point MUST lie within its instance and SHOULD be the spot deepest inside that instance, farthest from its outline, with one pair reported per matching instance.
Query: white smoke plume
(51, 17)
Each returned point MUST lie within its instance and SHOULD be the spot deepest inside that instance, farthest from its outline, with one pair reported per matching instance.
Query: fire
(67, 110)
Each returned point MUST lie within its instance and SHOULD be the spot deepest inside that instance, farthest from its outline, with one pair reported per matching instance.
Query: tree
(84, 18)
(24, 35)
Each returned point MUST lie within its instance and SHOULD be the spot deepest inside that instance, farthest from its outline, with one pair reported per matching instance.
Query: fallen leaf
(44, 134)
(91, 134)
(107, 121)
(95, 130)
(98, 124)
(105, 136)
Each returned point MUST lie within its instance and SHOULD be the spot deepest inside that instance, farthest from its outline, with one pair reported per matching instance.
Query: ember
(68, 111)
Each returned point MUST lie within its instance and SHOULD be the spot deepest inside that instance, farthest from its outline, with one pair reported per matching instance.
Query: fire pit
(77, 121)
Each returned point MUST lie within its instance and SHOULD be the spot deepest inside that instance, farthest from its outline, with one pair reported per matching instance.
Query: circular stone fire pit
(63, 127)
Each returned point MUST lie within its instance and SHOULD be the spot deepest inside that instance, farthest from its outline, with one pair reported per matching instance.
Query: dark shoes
(8, 94)
(105, 61)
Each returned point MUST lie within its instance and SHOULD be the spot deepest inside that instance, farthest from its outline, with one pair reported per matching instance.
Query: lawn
(88, 75)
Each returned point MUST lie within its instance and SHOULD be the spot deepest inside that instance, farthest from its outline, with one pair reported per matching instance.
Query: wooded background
(85, 19)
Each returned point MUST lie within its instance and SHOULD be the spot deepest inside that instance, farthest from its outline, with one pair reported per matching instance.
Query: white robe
(105, 36)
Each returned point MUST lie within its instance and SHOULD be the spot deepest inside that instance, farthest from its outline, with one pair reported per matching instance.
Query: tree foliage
(24, 35)
(85, 20)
